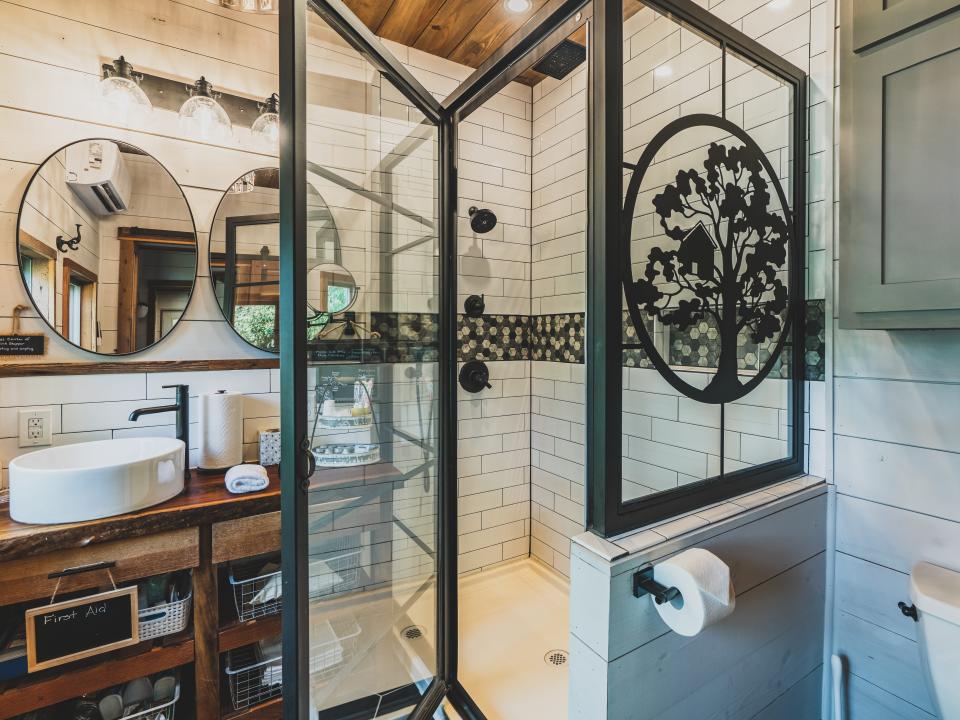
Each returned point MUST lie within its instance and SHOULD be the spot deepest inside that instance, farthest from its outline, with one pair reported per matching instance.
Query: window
(707, 378)
(26, 267)
(79, 300)
(74, 312)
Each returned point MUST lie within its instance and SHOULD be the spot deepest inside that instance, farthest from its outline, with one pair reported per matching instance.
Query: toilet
(935, 591)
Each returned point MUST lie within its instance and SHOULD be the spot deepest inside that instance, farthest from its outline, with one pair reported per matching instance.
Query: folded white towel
(246, 478)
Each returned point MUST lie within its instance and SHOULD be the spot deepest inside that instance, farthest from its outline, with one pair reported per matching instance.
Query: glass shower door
(366, 376)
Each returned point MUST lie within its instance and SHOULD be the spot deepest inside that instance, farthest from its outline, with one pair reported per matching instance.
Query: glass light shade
(244, 184)
(518, 6)
(253, 6)
(124, 100)
(203, 118)
(266, 129)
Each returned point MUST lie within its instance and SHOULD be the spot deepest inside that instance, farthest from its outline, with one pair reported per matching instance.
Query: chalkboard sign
(23, 344)
(62, 632)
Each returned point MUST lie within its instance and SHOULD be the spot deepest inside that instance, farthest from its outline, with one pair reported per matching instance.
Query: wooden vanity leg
(205, 626)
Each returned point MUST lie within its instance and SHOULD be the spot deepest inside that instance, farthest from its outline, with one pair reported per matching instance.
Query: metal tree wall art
(731, 234)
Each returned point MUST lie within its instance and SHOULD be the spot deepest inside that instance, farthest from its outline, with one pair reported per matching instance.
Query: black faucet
(182, 409)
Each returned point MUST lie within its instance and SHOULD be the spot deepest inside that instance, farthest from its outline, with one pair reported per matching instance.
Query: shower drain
(413, 632)
(556, 657)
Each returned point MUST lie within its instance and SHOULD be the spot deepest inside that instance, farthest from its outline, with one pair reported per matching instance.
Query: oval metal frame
(196, 242)
(716, 396)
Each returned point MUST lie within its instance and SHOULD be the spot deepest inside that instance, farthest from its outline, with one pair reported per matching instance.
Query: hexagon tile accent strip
(560, 338)
(494, 337)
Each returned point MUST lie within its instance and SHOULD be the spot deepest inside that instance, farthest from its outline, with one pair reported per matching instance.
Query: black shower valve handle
(474, 306)
(475, 376)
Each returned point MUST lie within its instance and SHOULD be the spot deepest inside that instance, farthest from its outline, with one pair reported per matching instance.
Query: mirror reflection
(245, 260)
(107, 246)
(331, 289)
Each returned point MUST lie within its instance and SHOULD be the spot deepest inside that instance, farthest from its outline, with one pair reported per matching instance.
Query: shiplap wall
(50, 69)
(763, 661)
(896, 467)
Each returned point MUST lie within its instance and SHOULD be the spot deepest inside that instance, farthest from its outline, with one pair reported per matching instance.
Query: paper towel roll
(221, 430)
(703, 580)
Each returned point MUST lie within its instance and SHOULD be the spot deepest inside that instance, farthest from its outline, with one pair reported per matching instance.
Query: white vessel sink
(86, 481)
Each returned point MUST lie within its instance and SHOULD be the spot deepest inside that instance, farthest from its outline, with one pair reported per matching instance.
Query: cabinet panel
(246, 537)
(26, 579)
(900, 179)
(875, 21)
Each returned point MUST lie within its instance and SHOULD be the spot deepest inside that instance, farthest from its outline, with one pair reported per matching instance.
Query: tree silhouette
(730, 248)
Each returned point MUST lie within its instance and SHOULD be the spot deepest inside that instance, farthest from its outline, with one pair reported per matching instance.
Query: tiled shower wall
(668, 440)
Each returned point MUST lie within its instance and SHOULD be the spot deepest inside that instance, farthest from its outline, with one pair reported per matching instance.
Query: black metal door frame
(556, 20)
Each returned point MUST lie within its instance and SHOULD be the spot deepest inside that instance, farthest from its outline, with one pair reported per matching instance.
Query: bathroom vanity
(198, 530)
(202, 530)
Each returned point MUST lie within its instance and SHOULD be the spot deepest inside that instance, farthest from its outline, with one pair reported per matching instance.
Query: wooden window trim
(72, 269)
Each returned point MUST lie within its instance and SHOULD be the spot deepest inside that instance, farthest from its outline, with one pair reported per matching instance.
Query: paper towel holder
(644, 584)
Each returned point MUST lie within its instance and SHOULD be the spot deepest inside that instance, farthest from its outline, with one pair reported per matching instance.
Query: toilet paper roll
(703, 580)
(221, 430)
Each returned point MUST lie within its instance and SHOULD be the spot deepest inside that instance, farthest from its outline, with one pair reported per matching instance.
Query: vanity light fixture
(266, 7)
(517, 6)
(121, 91)
(244, 184)
(266, 128)
(202, 117)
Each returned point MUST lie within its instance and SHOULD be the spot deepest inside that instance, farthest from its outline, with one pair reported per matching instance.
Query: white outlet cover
(34, 439)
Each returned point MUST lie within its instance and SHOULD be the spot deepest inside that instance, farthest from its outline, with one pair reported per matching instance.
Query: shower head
(482, 221)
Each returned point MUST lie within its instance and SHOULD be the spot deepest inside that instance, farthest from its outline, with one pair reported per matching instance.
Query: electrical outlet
(36, 427)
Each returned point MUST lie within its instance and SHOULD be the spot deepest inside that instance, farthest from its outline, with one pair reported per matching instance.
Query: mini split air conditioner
(97, 174)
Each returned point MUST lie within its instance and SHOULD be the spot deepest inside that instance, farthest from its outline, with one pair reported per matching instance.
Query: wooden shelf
(113, 367)
(238, 634)
(270, 710)
(33, 692)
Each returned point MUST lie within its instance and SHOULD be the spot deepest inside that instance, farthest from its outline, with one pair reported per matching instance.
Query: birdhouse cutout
(696, 252)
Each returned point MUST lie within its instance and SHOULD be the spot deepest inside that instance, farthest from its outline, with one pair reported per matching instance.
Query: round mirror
(331, 289)
(245, 260)
(107, 246)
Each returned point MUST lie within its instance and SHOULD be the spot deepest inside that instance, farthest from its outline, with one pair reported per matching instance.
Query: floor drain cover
(556, 657)
(413, 632)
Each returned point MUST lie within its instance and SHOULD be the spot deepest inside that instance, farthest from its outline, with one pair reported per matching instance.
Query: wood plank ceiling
(465, 31)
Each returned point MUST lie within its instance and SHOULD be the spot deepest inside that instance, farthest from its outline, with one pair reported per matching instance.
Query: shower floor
(511, 618)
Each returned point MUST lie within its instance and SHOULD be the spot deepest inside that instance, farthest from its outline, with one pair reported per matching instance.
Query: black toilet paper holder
(644, 584)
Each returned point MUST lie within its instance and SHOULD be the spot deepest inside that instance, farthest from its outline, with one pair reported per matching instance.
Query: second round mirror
(245, 259)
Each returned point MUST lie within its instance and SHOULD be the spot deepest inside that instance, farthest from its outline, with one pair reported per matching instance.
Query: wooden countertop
(204, 500)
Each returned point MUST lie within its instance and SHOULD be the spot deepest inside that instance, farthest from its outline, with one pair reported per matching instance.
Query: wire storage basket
(258, 594)
(257, 591)
(332, 644)
(255, 675)
(163, 711)
(253, 679)
(167, 619)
